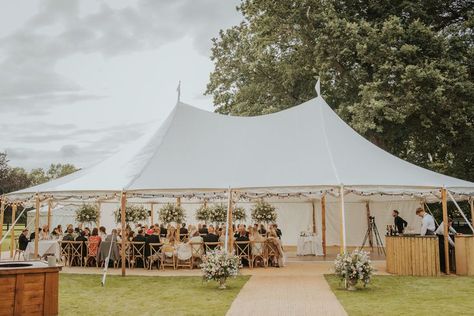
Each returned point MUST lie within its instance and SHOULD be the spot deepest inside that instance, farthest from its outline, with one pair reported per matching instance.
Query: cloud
(28, 55)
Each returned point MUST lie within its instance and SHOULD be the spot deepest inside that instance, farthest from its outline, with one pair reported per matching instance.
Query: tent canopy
(306, 146)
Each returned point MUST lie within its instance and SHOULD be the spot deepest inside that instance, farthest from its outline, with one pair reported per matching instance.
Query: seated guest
(241, 234)
(44, 235)
(277, 230)
(153, 238)
(196, 244)
(183, 230)
(54, 234)
(32, 236)
(140, 237)
(211, 237)
(69, 235)
(150, 230)
(273, 238)
(60, 230)
(171, 236)
(94, 241)
(82, 237)
(262, 231)
(427, 223)
(257, 242)
(163, 231)
(87, 232)
(400, 223)
(203, 229)
(113, 236)
(130, 236)
(23, 240)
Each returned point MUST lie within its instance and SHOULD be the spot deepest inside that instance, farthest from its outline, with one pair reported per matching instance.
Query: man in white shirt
(440, 231)
(428, 226)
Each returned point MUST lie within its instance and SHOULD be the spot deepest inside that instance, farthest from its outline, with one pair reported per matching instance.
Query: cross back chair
(169, 257)
(197, 249)
(271, 252)
(211, 246)
(76, 252)
(258, 253)
(242, 250)
(156, 256)
(137, 252)
(65, 251)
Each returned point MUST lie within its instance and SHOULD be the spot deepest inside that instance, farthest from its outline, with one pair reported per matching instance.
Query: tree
(399, 72)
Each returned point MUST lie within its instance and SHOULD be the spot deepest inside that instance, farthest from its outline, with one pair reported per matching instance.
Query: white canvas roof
(304, 146)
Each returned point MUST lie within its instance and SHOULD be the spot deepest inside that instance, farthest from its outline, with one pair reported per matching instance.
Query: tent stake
(444, 201)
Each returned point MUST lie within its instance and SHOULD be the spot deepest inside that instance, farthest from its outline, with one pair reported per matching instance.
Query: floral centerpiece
(352, 267)
(202, 213)
(87, 214)
(218, 266)
(218, 213)
(238, 214)
(264, 212)
(133, 214)
(171, 213)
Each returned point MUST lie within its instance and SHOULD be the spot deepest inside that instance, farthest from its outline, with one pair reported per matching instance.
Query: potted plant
(264, 212)
(218, 266)
(171, 213)
(87, 214)
(353, 267)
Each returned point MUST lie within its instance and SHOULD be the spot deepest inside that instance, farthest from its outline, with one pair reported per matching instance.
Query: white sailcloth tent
(291, 158)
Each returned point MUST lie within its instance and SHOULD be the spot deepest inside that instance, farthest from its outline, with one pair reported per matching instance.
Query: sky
(79, 80)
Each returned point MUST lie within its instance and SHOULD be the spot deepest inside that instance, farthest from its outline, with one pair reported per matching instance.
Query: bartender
(400, 223)
(440, 231)
(428, 226)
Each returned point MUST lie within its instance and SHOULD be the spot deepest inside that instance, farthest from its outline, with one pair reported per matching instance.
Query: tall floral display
(353, 267)
(264, 212)
(202, 213)
(219, 266)
(87, 214)
(171, 213)
(218, 214)
(239, 214)
(133, 214)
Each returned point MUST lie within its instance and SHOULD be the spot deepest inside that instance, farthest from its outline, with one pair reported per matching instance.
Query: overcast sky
(81, 79)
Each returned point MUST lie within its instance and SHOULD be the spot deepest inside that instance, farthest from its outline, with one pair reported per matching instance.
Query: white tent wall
(60, 215)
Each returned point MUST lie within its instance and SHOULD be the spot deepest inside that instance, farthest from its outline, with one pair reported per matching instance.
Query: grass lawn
(137, 295)
(404, 295)
(6, 242)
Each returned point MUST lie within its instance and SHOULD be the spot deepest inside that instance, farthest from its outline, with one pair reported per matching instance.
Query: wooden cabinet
(464, 255)
(412, 255)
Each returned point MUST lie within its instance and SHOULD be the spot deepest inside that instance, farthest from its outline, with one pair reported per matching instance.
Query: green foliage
(239, 214)
(263, 212)
(133, 214)
(399, 72)
(202, 213)
(171, 213)
(87, 214)
(218, 213)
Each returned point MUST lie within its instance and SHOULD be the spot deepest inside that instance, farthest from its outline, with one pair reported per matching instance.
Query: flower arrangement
(264, 212)
(87, 214)
(238, 214)
(218, 213)
(352, 267)
(133, 214)
(171, 213)
(202, 213)
(219, 265)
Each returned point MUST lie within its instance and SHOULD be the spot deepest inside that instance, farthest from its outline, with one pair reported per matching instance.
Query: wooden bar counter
(412, 255)
(464, 254)
(28, 288)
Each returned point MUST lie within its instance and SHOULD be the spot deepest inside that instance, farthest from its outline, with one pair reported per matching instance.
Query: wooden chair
(137, 252)
(65, 252)
(169, 257)
(184, 263)
(258, 253)
(243, 251)
(211, 246)
(197, 249)
(271, 252)
(118, 262)
(183, 237)
(76, 253)
(155, 255)
(92, 249)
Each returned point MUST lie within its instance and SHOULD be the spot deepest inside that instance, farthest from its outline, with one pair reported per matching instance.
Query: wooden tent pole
(444, 201)
(343, 220)
(371, 238)
(152, 220)
(229, 229)
(50, 206)
(123, 206)
(314, 216)
(12, 235)
(99, 210)
(178, 203)
(2, 214)
(471, 202)
(37, 217)
(323, 223)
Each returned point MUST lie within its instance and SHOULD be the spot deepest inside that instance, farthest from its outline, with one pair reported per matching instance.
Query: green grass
(404, 295)
(6, 242)
(147, 295)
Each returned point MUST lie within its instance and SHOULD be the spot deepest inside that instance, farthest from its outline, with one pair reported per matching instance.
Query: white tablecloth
(309, 245)
(44, 247)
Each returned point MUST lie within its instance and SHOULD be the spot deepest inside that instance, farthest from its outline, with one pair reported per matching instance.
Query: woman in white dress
(273, 238)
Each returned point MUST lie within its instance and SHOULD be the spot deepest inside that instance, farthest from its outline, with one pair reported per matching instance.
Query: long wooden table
(412, 255)
(464, 254)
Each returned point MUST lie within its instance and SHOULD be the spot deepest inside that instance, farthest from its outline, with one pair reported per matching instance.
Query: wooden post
(471, 202)
(178, 203)
(323, 223)
(369, 227)
(230, 239)
(2, 214)
(37, 218)
(12, 235)
(343, 220)
(444, 201)
(99, 209)
(50, 206)
(314, 217)
(151, 214)
(123, 206)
